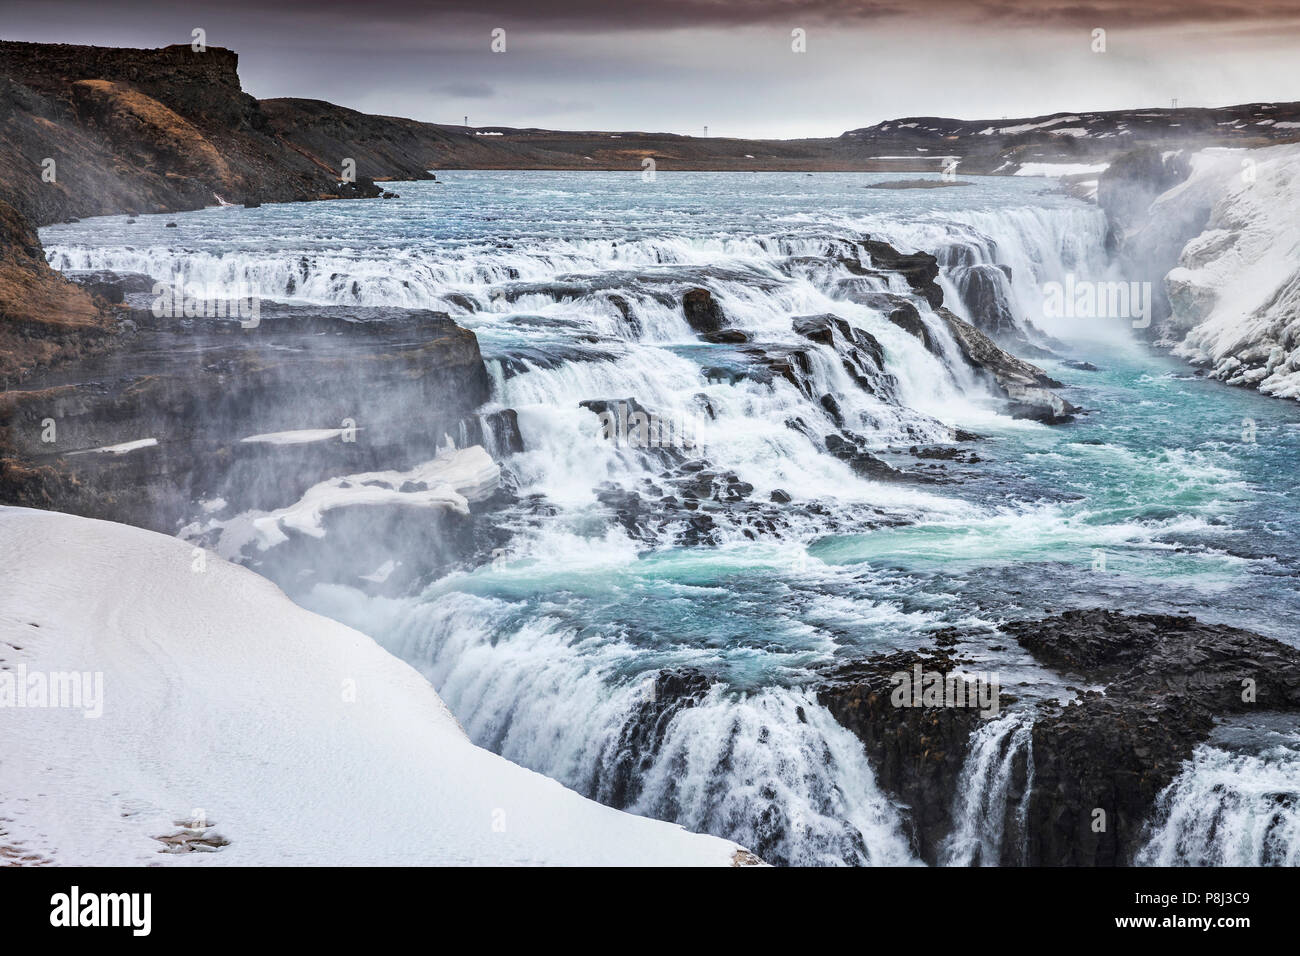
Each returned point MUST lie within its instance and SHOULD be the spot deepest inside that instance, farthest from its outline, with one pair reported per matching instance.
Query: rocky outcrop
(861, 355)
(916, 752)
(141, 433)
(88, 131)
(383, 147)
(919, 269)
(1026, 386)
(44, 318)
(1099, 761)
(703, 313)
(94, 130)
(1165, 680)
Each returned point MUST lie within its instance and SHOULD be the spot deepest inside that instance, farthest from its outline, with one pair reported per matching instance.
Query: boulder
(703, 314)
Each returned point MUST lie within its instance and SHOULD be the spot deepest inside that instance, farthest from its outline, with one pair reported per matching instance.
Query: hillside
(88, 131)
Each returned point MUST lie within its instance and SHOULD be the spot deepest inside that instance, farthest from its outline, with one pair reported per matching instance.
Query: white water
(1229, 809)
(980, 808)
(546, 656)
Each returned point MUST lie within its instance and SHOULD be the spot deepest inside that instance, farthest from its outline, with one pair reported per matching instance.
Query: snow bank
(237, 728)
(1060, 169)
(1235, 293)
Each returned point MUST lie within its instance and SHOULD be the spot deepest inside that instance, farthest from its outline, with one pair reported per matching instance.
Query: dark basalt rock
(907, 318)
(703, 314)
(627, 423)
(861, 461)
(861, 354)
(726, 337)
(946, 453)
(1165, 681)
(920, 269)
(1025, 385)
(916, 752)
(791, 364)
(498, 432)
(694, 504)
(986, 292)
(112, 287)
(363, 188)
(629, 317)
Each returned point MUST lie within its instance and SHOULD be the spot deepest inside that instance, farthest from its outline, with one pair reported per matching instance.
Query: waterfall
(1000, 749)
(769, 768)
(545, 657)
(1228, 809)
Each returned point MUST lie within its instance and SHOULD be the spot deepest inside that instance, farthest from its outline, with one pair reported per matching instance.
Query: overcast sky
(678, 65)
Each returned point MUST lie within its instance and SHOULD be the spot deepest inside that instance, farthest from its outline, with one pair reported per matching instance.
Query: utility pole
(1175, 102)
(706, 131)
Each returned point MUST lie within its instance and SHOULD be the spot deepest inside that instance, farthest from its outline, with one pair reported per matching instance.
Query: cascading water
(1229, 808)
(999, 749)
(653, 644)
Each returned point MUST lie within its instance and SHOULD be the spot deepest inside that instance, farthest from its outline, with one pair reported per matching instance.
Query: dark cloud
(606, 16)
(677, 65)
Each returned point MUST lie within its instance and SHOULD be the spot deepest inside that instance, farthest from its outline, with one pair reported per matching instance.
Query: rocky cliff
(104, 408)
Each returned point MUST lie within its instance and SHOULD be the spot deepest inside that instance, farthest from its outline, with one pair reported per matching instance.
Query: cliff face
(43, 317)
(90, 131)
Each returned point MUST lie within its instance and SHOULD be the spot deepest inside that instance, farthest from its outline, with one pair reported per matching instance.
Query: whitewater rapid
(551, 653)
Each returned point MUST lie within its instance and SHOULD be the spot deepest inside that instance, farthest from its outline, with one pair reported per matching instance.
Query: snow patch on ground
(452, 480)
(122, 449)
(240, 729)
(1060, 169)
(297, 437)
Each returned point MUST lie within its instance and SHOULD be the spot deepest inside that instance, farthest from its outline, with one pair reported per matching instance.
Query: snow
(297, 437)
(240, 729)
(452, 480)
(1060, 169)
(1026, 127)
(122, 449)
(1235, 293)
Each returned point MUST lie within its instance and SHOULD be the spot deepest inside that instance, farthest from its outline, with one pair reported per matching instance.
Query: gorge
(895, 458)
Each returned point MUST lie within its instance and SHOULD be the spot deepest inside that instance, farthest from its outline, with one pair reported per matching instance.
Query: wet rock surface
(1153, 688)
(703, 313)
(1165, 680)
(144, 432)
(916, 752)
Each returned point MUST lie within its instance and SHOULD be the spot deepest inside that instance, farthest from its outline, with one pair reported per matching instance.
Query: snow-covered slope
(234, 727)
(1235, 294)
